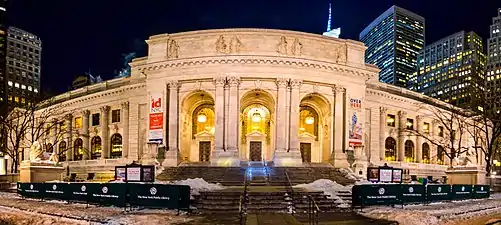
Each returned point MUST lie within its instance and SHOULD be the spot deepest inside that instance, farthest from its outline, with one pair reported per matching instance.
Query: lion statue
(36, 152)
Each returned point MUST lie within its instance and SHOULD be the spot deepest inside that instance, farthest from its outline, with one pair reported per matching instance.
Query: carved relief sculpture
(282, 46)
(219, 81)
(173, 50)
(235, 45)
(281, 82)
(297, 47)
(341, 54)
(257, 84)
(221, 45)
(36, 152)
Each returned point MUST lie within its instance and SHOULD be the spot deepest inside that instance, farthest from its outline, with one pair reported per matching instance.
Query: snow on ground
(329, 187)
(437, 213)
(21, 217)
(348, 173)
(198, 184)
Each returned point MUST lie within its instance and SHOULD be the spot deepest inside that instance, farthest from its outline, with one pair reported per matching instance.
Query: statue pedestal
(465, 175)
(37, 172)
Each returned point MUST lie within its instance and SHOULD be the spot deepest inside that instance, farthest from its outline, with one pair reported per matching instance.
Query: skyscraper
(3, 75)
(23, 67)
(452, 69)
(494, 57)
(329, 31)
(393, 42)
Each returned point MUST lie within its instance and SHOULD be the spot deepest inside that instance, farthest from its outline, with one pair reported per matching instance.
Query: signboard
(158, 195)
(385, 175)
(397, 176)
(373, 174)
(355, 131)
(78, 192)
(413, 193)
(107, 193)
(481, 191)
(56, 190)
(148, 174)
(355, 103)
(461, 192)
(438, 192)
(377, 194)
(120, 173)
(32, 190)
(133, 174)
(156, 121)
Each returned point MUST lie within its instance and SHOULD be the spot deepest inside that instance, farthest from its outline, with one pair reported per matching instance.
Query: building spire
(330, 18)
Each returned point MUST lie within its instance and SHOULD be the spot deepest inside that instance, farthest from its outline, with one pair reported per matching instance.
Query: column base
(283, 158)
(340, 160)
(171, 158)
(225, 158)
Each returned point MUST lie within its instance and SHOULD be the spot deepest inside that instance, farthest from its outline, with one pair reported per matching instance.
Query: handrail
(291, 190)
(313, 211)
(244, 198)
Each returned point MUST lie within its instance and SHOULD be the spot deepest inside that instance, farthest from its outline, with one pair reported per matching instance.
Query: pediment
(203, 134)
(307, 135)
(255, 134)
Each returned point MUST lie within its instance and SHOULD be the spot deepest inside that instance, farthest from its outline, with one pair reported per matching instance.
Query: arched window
(426, 153)
(116, 146)
(390, 149)
(49, 147)
(78, 150)
(440, 155)
(95, 147)
(62, 151)
(409, 151)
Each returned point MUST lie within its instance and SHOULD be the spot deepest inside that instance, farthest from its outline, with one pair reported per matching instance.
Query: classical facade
(228, 97)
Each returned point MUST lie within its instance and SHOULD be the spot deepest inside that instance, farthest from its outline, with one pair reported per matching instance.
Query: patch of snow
(349, 174)
(329, 187)
(54, 181)
(198, 184)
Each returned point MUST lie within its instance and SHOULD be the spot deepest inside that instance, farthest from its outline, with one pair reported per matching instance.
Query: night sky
(78, 35)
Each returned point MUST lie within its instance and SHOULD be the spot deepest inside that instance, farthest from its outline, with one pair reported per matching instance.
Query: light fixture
(202, 118)
(309, 120)
(256, 117)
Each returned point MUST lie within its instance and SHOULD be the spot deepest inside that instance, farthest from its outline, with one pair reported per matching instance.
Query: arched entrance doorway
(256, 126)
(197, 139)
(314, 129)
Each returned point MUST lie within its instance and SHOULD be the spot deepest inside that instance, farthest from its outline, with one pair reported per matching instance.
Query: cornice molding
(265, 60)
(112, 92)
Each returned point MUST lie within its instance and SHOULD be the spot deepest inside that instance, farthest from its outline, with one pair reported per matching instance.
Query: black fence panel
(377, 194)
(413, 193)
(56, 191)
(107, 193)
(461, 192)
(481, 191)
(440, 192)
(158, 195)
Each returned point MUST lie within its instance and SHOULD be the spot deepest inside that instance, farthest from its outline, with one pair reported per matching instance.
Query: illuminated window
(78, 122)
(409, 151)
(410, 124)
(16, 99)
(23, 100)
(426, 153)
(35, 90)
(440, 155)
(390, 149)
(16, 85)
(116, 146)
(115, 116)
(390, 120)
(78, 150)
(62, 151)
(95, 147)
(10, 83)
(23, 87)
(426, 127)
(30, 89)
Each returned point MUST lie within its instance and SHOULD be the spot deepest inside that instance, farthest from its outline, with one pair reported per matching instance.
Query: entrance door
(255, 151)
(305, 149)
(204, 151)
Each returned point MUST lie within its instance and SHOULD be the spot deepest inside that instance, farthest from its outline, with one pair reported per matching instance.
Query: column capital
(173, 84)
(383, 110)
(104, 109)
(125, 105)
(219, 81)
(296, 83)
(85, 113)
(68, 116)
(338, 89)
(402, 113)
(281, 82)
(233, 81)
(419, 118)
(434, 122)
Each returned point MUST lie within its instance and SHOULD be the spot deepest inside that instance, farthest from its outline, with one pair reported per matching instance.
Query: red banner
(156, 121)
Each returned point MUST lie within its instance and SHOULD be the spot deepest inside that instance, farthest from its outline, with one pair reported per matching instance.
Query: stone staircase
(227, 176)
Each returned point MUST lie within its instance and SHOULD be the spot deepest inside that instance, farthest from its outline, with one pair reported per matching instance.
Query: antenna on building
(331, 32)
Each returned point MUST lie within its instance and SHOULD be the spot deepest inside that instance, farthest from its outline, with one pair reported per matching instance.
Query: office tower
(393, 42)
(23, 67)
(3, 74)
(494, 58)
(452, 69)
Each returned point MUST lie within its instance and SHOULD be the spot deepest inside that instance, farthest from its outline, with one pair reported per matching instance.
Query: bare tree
(485, 127)
(43, 122)
(449, 135)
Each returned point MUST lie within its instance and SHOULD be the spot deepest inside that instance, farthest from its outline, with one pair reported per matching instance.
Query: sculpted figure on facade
(173, 50)
(36, 152)
(341, 54)
(235, 45)
(297, 47)
(221, 45)
(282, 46)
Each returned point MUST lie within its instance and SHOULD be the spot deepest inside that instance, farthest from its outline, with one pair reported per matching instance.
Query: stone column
(433, 148)
(219, 111)
(69, 152)
(280, 115)
(294, 115)
(383, 112)
(105, 130)
(171, 156)
(419, 139)
(402, 119)
(233, 114)
(125, 133)
(339, 119)
(85, 135)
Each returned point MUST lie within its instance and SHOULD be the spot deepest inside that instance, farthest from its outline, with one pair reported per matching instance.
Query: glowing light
(256, 117)
(302, 128)
(202, 118)
(309, 120)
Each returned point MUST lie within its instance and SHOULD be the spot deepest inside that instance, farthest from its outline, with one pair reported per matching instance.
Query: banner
(413, 193)
(438, 192)
(156, 121)
(78, 192)
(355, 131)
(133, 174)
(481, 191)
(461, 192)
(32, 190)
(56, 191)
(107, 193)
(377, 194)
(159, 195)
